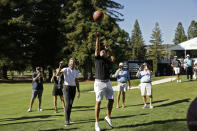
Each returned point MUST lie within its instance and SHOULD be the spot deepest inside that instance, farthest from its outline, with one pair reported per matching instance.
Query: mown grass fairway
(171, 101)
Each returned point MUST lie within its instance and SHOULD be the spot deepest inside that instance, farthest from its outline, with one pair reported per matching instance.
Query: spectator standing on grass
(71, 82)
(195, 69)
(123, 78)
(188, 67)
(176, 65)
(57, 89)
(145, 83)
(37, 90)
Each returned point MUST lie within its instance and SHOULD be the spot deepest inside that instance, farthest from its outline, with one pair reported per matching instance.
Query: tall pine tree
(192, 30)
(137, 43)
(156, 40)
(179, 34)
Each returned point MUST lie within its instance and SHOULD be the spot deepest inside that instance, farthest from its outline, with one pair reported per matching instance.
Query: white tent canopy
(186, 45)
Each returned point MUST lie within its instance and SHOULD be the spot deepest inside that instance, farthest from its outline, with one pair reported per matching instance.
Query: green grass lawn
(171, 101)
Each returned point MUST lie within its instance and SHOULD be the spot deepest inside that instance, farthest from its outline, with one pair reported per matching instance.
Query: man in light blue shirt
(188, 67)
(123, 77)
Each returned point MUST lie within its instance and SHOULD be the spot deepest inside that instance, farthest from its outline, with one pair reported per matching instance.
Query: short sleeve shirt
(122, 76)
(145, 76)
(69, 76)
(102, 68)
(38, 84)
(176, 63)
(188, 62)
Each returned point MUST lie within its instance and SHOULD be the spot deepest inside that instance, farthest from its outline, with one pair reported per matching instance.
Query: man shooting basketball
(102, 85)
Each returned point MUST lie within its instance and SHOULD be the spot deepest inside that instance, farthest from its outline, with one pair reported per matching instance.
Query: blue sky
(166, 12)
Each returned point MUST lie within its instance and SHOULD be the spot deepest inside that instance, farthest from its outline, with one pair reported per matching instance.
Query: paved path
(153, 83)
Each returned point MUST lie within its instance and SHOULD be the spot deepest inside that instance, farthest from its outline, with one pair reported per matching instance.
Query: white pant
(146, 89)
(103, 88)
(122, 87)
(177, 70)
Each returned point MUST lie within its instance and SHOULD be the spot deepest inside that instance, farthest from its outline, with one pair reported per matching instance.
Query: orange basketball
(98, 15)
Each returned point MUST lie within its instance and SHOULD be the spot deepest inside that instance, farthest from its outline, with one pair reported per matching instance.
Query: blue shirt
(122, 76)
(145, 76)
(38, 84)
(188, 62)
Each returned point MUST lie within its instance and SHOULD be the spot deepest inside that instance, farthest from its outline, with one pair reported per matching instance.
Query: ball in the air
(98, 15)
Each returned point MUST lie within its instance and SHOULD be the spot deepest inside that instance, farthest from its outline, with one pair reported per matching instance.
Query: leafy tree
(179, 34)
(156, 40)
(192, 30)
(80, 29)
(137, 43)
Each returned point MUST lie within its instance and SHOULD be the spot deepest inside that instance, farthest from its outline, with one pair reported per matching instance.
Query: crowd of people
(66, 83)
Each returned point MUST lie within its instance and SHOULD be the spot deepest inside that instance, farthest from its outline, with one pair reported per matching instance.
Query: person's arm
(37, 77)
(97, 48)
(117, 72)
(138, 72)
(52, 78)
(59, 71)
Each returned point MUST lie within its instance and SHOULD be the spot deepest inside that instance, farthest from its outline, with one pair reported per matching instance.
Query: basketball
(98, 15)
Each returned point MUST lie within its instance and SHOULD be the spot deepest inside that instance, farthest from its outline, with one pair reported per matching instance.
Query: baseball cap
(188, 55)
(144, 64)
(175, 56)
(38, 68)
(121, 64)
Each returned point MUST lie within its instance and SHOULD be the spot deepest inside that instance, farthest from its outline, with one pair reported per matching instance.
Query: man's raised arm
(97, 48)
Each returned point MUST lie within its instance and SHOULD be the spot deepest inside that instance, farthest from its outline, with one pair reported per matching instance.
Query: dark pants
(189, 72)
(69, 95)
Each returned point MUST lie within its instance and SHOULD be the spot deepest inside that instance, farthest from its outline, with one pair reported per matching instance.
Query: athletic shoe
(66, 123)
(180, 81)
(56, 111)
(71, 122)
(177, 81)
(151, 107)
(97, 128)
(187, 79)
(145, 106)
(29, 110)
(40, 109)
(108, 122)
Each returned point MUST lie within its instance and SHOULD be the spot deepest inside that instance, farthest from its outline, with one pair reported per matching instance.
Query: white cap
(187, 55)
(175, 56)
(121, 64)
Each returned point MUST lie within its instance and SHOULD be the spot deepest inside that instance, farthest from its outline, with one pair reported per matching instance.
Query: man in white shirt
(70, 84)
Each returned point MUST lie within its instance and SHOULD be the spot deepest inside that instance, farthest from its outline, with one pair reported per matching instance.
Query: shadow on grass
(102, 119)
(151, 123)
(29, 117)
(174, 102)
(152, 102)
(26, 122)
(61, 129)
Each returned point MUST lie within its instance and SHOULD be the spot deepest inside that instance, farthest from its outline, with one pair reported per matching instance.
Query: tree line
(43, 32)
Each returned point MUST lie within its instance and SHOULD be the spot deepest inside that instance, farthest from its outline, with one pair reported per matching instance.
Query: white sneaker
(109, 122)
(97, 128)
(71, 122)
(29, 110)
(145, 106)
(180, 81)
(40, 109)
(177, 81)
(151, 107)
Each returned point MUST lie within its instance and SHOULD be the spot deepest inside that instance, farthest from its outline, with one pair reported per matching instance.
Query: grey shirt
(176, 63)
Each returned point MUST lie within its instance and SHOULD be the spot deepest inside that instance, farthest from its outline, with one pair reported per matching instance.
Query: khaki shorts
(146, 89)
(103, 89)
(122, 87)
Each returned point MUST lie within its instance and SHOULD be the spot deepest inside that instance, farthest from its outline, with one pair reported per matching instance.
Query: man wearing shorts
(102, 85)
(37, 89)
(70, 84)
(123, 77)
(145, 84)
(176, 64)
